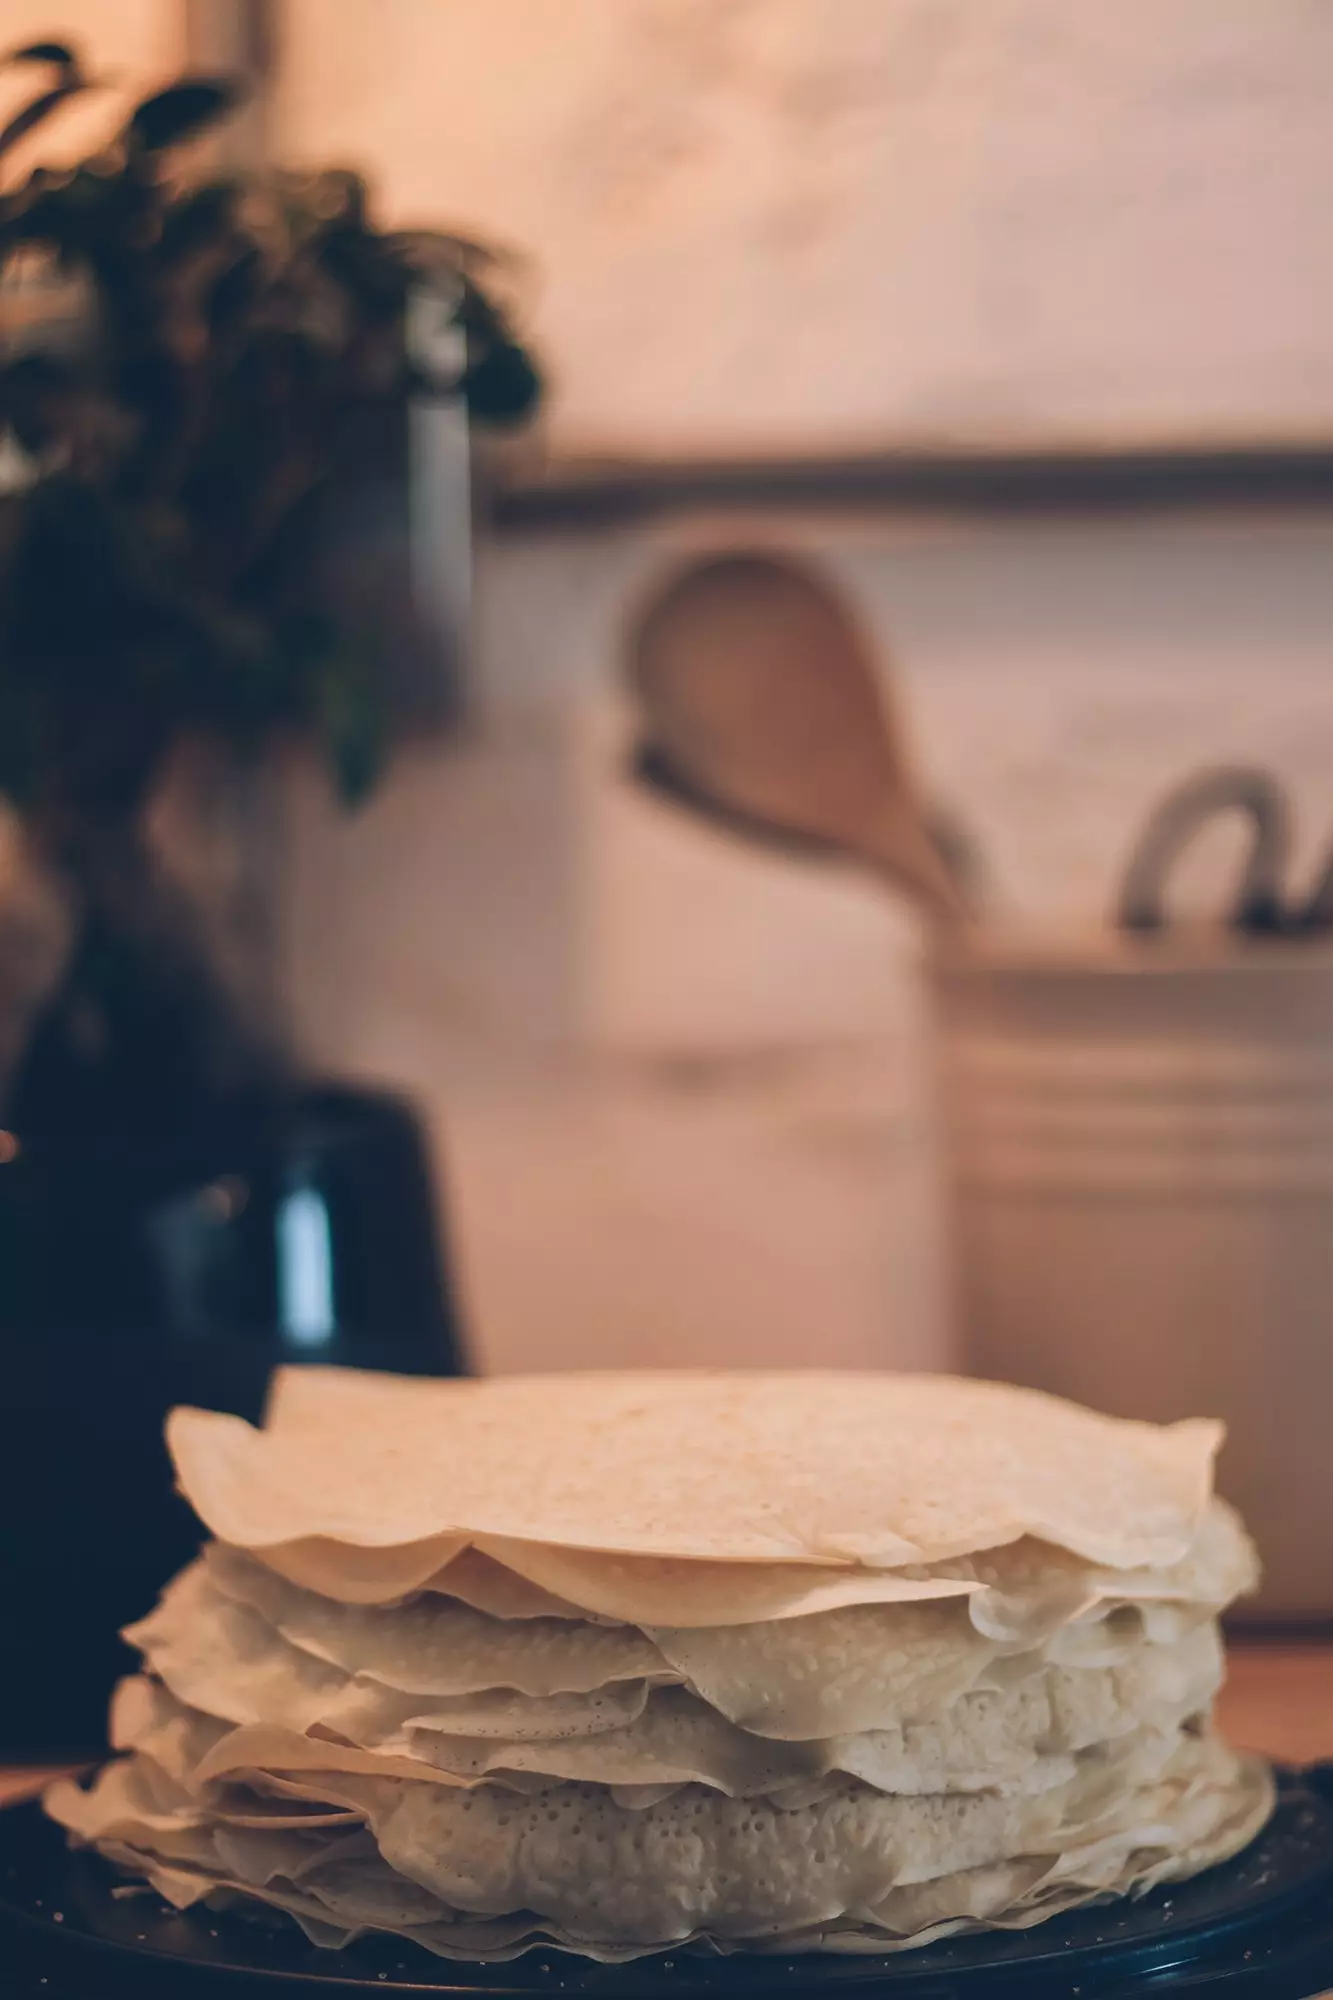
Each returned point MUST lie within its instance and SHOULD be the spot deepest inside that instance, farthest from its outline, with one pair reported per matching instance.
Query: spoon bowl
(759, 697)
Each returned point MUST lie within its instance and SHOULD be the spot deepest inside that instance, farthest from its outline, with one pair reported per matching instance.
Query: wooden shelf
(573, 493)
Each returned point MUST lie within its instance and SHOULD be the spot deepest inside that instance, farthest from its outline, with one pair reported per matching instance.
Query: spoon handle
(902, 850)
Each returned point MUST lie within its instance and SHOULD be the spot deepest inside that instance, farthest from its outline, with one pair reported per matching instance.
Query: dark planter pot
(139, 1274)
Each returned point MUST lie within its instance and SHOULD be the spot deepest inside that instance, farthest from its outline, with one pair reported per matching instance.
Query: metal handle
(1180, 816)
(1316, 913)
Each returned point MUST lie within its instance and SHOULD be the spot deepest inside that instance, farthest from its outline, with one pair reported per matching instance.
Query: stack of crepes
(624, 1662)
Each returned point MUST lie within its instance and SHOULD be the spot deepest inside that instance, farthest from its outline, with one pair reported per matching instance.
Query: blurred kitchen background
(1009, 327)
(1015, 321)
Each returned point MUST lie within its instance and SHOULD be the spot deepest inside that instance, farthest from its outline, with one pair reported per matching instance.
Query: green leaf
(20, 748)
(199, 220)
(35, 114)
(352, 719)
(182, 111)
(503, 386)
(59, 53)
(37, 394)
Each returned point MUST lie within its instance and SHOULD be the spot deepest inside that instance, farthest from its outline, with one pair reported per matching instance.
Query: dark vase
(142, 1270)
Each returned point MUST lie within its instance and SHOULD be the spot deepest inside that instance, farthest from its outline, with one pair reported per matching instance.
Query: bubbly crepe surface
(627, 1662)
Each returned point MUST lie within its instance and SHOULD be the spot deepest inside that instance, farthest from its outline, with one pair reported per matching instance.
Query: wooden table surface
(1278, 1699)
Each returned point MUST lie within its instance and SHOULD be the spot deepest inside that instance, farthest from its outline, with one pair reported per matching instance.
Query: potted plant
(178, 445)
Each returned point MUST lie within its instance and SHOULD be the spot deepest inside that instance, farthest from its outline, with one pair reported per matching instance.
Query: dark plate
(1262, 1927)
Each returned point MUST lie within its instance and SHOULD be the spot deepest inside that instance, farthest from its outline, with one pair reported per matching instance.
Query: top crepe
(861, 1470)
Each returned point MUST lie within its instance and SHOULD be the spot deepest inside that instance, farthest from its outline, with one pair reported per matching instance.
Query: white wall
(767, 225)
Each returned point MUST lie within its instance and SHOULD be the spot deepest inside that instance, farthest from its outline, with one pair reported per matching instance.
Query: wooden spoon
(760, 700)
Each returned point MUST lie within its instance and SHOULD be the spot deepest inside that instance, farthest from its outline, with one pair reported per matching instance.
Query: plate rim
(844, 1974)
